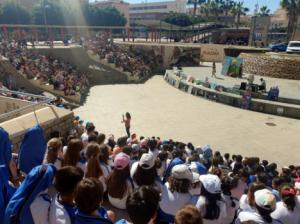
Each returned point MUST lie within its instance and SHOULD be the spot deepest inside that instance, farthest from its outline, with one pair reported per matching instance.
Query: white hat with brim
(181, 172)
(147, 161)
(211, 183)
(265, 199)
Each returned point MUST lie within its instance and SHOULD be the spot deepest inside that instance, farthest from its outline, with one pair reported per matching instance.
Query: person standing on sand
(126, 120)
(214, 71)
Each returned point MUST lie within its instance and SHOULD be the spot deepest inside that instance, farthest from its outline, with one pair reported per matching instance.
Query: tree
(293, 11)
(58, 12)
(238, 10)
(227, 6)
(12, 13)
(215, 8)
(109, 16)
(178, 19)
(264, 11)
(195, 3)
(49, 12)
(205, 10)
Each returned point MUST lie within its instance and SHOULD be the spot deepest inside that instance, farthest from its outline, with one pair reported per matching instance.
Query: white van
(293, 47)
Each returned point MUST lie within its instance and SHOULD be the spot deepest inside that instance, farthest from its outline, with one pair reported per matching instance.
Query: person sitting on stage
(263, 85)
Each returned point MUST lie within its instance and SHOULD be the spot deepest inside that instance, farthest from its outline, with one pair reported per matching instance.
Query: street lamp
(45, 7)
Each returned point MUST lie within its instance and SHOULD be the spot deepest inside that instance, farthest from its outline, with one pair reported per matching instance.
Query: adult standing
(214, 70)
(126, 120)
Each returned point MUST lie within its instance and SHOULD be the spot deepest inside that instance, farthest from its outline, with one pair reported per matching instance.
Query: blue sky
(272, 4)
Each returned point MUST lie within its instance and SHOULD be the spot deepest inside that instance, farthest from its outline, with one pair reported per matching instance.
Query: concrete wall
(50, 118)
(8, 104)
(77, 56)
(264, 106)
(175, 52)
(272, 65)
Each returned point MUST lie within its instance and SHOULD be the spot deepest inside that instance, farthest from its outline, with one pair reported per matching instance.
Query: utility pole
(254, 22)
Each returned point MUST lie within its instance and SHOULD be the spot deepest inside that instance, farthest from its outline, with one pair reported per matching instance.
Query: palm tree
(195, 3)
(215, 8)
(239, 10)
(264, 11)
(293, 10)
(205, 10)
(227, 6)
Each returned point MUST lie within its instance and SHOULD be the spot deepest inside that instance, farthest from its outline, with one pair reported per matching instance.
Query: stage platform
(288, 88)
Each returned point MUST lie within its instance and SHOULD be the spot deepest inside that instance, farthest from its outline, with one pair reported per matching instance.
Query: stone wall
(51, 119)
(8, 104)
(235, 100)
(272, 65)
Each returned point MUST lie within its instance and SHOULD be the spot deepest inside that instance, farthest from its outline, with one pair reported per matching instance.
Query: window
(150, 7)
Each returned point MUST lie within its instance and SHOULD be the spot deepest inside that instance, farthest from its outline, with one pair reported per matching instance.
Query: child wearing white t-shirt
(62, 208)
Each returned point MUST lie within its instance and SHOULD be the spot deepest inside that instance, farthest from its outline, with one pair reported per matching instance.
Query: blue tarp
(32, 149)
(5, 148)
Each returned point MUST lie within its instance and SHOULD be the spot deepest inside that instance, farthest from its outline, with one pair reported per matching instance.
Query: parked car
(279, 47)
(293, 47)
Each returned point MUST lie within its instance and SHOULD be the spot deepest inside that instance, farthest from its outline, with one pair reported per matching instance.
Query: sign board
(226, 64)
(211, 53)
(232, 66)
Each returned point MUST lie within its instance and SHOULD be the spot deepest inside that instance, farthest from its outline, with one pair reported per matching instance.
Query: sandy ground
(159, 109)
(288, 88)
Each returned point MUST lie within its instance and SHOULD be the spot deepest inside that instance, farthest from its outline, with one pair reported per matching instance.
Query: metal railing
(36, 101)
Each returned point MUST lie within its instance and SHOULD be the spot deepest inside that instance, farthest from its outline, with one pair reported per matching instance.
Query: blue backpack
(6, 191)
(32, 149)
(5, 148)
(18, 208)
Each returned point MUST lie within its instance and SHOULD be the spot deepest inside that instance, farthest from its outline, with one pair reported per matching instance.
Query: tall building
(120, 5)
(279, 19)
(154, 10)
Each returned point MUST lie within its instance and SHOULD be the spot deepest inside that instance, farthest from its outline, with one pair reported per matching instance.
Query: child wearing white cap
(175, 193)
(144, 172)
(265, 203)
(210, 203)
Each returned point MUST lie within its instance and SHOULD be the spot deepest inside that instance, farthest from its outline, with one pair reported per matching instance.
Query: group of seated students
(138, 63)
(151, 180)
(44, 68)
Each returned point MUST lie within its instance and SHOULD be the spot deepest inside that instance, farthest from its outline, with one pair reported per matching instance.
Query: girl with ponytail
(93, 168)
(288, 210)
(54, 153)
(232, 203)
(210, 202)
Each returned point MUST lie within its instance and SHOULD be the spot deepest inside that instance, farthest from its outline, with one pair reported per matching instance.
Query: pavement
(159, 109)
(288, 88)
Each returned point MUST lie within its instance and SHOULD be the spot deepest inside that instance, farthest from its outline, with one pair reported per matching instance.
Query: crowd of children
(138, 63)
(47, 70)
(152, 180)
